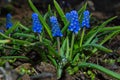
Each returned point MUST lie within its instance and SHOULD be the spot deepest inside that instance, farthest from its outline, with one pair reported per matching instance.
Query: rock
(48, 71)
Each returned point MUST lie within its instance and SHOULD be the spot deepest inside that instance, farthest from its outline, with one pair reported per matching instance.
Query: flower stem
(72, 43)
(40, 37)
(58, 43)
(82, 36)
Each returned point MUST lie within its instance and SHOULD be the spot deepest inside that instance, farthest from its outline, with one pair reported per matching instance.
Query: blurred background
(100, 9)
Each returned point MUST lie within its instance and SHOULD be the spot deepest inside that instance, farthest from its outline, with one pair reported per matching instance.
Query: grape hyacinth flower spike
(9, 23)
(56, 32)
(86, 19)
(72, 17)
(36, 25)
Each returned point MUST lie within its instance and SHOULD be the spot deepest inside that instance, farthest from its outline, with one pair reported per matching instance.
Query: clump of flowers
(36, 25)
(86, 19)
(72, 17)
(9, 23)
(55, 27)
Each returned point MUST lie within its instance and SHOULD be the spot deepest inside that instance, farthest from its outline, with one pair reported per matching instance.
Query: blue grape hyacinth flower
(86, 19)
(56, 32)
(36, 25)
(9, 23)
(72, 17)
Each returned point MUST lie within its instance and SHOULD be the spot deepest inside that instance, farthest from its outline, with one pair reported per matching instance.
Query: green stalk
(72, 43)
(58, 43)
(82, 36)
(40, 37)
(100, 68)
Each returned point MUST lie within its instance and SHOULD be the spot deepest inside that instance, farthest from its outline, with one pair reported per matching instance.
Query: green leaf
(12, 28)
(100, 47)
(68, 49)
(100, 68)
(22, 26)
(4, 36)
(89, 37)
(24, 35)
(4, 41)
(65, 27)
(91, 32)
(114, 28)
(51, 50)
(41, 19)
(15, 41)
(82, 37)
(53, 61)
(60, 11)
(59, 72)
(12, 57)
(50, 11)
(76, 59)
(21, 42)
(106, 22)
(62, 16)
(46, 16)
(107, 38)
(95, 40)
(80, 12)
(82, 9)
(63, 48)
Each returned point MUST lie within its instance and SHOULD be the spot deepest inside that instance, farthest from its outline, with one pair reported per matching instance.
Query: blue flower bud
(9, 23)
(86, 19)
(68, 16)
(55, 27)
(72, 17)
(36, 25)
